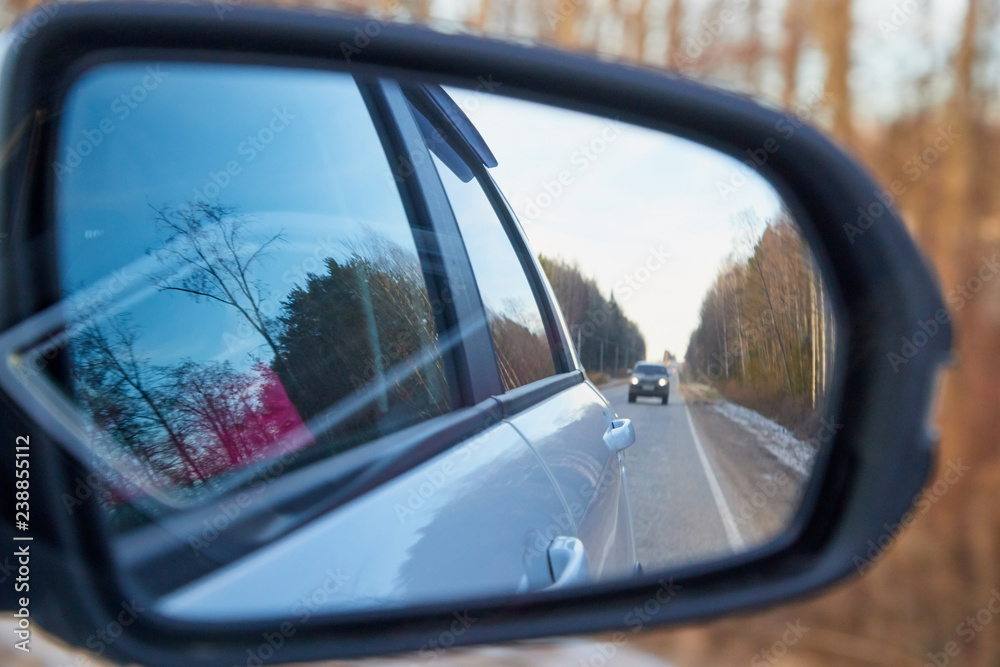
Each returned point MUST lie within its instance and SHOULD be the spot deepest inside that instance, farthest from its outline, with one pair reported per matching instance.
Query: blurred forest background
(765, 339)
(607, 342)
(912, 88)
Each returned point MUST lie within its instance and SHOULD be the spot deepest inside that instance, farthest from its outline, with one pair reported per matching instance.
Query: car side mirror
(279, 358)
(620, 435)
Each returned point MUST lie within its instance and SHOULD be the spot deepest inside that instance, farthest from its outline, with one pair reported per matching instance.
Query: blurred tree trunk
(561, 21)
(482, 16)
(420, 9)
(795, 25)
(958, 177)
(636, 29)
(753, 50)
(834, 26)
(675, 16)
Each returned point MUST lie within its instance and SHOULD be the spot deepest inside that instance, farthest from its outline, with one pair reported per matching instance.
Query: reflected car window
(515, 321)
(241, 274)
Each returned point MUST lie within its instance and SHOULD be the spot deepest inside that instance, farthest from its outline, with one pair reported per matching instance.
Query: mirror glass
(290, 296)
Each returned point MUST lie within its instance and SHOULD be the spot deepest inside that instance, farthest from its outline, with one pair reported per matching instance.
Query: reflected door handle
(568, 562)
(620, 435)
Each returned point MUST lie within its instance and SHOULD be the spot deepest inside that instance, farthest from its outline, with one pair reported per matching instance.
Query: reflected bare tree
(183, 423)
(766, 329)
(209, 242)
(365, 323)
(124, 389)
(214, 399)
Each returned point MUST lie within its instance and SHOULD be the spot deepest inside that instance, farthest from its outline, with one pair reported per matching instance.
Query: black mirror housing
(883, 449)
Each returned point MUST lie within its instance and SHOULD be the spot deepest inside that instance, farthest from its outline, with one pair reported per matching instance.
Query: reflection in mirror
(661, 250)
(285, 293)
(248, 242)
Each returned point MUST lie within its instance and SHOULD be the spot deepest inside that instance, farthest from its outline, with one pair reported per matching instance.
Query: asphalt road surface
(701, 486)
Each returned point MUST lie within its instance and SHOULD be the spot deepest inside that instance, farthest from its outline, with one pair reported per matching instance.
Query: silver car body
(476, 520)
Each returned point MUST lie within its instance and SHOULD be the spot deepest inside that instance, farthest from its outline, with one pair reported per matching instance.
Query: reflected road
(702, 485)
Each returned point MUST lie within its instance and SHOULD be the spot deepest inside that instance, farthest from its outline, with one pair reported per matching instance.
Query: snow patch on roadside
(775, 438)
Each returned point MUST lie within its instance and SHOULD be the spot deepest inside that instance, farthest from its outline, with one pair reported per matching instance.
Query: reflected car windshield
(651, 369)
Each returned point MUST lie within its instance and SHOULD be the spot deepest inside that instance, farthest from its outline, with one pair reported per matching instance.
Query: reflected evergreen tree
(363, 328)
(594, 322)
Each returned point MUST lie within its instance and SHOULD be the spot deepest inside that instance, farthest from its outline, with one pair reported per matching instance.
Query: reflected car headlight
(663, 382)
(635, 380)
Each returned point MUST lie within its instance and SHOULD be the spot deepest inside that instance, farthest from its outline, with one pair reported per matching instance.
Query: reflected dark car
(649, 379)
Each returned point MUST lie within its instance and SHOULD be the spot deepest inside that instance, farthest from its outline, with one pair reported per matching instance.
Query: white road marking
(736, 542)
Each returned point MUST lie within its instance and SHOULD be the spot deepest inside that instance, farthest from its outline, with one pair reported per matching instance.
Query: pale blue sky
(304, 159)
(645, 194)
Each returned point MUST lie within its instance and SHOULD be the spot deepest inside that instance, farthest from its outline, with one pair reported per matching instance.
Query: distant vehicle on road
(649, 379)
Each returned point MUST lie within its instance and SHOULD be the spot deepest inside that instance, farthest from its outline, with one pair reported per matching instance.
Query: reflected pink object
(276, 425)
